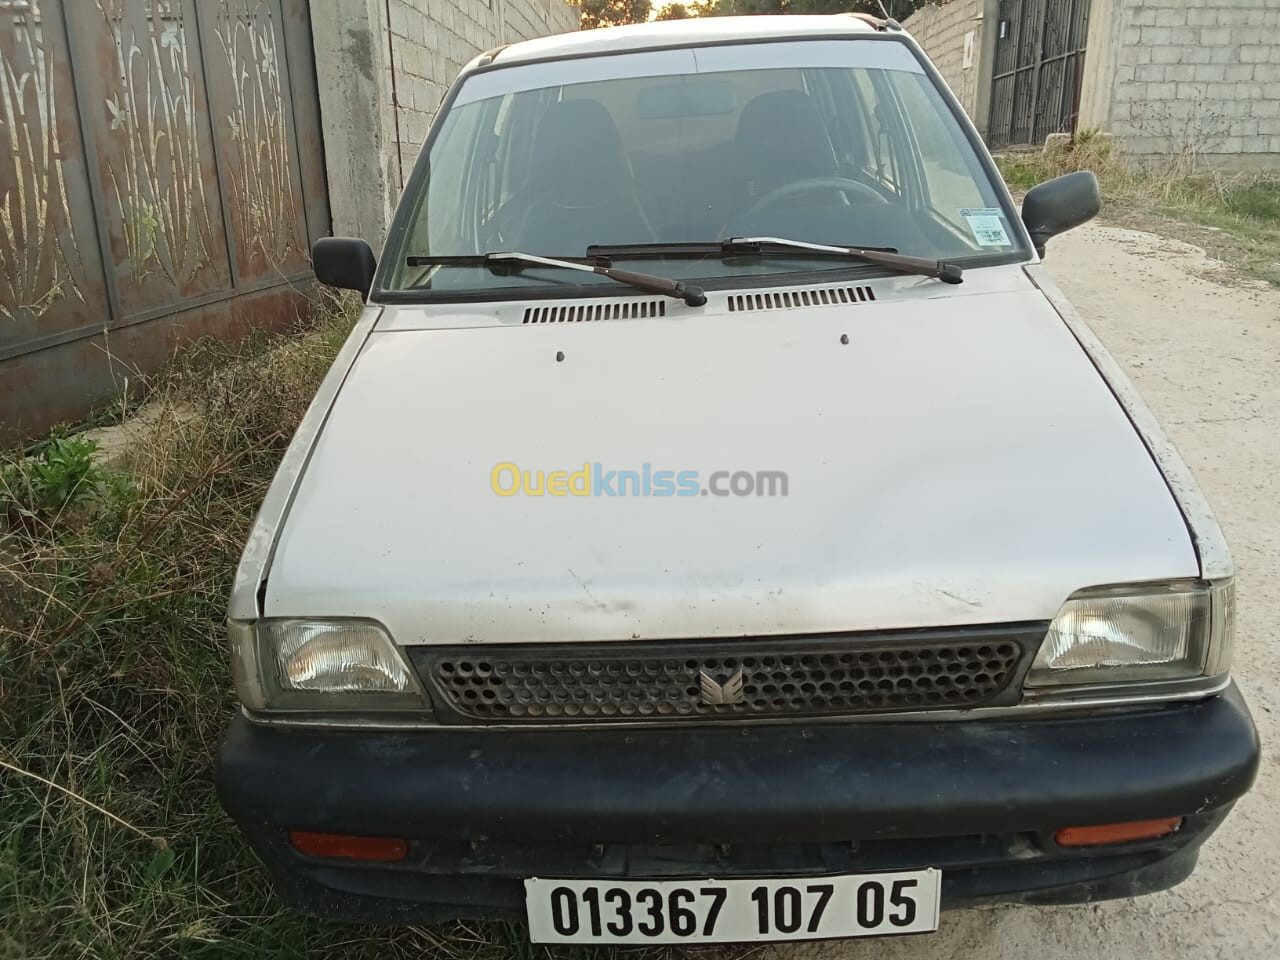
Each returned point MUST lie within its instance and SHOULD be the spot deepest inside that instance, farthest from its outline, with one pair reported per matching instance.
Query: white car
(718, 527)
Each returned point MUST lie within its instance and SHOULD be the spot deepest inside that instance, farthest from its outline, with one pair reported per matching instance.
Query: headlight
(321, 665)
(1160, 632)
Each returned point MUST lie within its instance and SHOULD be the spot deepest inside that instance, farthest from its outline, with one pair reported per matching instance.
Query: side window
(438, 222)
(850, 133)
(515, 123)
(497, 188)
(818, 85)
(507, 145)
(494, 148)
(946, 165)
(883, 163)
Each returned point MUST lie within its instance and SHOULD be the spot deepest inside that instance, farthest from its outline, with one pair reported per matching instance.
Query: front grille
(709, 679)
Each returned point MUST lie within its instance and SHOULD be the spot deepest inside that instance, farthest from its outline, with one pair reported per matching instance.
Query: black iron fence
(1039, 59)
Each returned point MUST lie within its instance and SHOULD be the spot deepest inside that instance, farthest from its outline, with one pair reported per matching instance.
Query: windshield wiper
(688, 292)
(938, 269)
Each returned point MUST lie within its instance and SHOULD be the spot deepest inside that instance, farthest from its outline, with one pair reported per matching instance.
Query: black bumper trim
(391, 896)
(773, 784)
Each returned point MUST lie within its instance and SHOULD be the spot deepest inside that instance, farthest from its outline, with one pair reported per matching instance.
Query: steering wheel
(842, 184)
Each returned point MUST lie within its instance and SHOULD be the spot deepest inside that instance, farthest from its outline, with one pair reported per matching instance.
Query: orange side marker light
(1116, 832)
(343, 846)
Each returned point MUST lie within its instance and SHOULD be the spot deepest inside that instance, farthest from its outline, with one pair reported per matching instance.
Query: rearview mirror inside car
(1058, 205)
(347, 263)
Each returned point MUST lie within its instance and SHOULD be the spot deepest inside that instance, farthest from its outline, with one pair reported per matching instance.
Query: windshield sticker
(987, 226)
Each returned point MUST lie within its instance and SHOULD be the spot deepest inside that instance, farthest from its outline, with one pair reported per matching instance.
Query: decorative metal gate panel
(1039, 59)
(161, 178)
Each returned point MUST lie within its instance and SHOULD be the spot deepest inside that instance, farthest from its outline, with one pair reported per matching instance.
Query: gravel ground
(1204, 350)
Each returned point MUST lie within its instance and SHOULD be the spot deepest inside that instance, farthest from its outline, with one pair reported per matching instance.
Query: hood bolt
(559, 356)
(844, 338)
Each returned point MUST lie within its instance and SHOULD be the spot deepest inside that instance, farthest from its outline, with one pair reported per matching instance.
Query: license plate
(732, 911)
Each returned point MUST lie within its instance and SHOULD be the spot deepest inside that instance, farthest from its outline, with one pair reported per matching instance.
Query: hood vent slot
(576, 312)
(789, 299)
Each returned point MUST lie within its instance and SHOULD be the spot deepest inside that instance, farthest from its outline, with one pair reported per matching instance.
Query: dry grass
(114, 685)
(1235, 217)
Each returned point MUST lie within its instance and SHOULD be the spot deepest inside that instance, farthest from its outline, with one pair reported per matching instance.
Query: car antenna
(889, 22)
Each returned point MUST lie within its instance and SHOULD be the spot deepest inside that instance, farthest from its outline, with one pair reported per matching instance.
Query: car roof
(681, 33)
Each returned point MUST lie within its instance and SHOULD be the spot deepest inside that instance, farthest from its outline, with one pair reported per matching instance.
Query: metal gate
(1039, 60)
(161, 178)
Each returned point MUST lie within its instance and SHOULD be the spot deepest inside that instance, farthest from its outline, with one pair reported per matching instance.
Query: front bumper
(483, 809)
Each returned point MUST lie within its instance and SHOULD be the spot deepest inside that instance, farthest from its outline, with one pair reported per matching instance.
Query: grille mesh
(788, 299)
(578, 312)
(679, 681)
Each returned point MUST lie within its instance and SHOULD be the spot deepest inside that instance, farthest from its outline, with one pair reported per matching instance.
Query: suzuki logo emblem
(716, 694)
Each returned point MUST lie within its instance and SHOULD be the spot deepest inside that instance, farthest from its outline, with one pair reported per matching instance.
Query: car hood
(957, 461)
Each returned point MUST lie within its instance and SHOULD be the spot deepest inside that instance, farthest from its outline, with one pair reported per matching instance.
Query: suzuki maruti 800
(718, 527)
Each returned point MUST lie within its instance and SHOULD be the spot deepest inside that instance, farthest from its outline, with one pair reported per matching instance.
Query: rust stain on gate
(161, 178)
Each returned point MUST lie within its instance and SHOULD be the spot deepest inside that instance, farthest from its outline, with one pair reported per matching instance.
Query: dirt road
(1205, 353)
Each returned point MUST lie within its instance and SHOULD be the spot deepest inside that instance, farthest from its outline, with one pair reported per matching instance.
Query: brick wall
(431, 40)
(941, 31)
(1187, 78)
(382, 68)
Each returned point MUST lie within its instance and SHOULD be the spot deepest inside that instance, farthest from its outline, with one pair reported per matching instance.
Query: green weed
(61, 472)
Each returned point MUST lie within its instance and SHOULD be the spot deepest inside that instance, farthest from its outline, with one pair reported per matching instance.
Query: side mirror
(1056, 206)
(344, 262)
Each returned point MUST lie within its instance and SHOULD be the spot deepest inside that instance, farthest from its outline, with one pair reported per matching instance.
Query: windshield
(842, 142)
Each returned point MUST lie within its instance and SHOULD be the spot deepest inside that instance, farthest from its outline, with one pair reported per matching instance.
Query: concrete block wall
(382, 68)
(1187, 79)
(432, 40)
(941, 29)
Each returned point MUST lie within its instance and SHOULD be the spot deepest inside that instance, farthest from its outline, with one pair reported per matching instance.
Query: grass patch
(114, 684)
(1236, 218)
